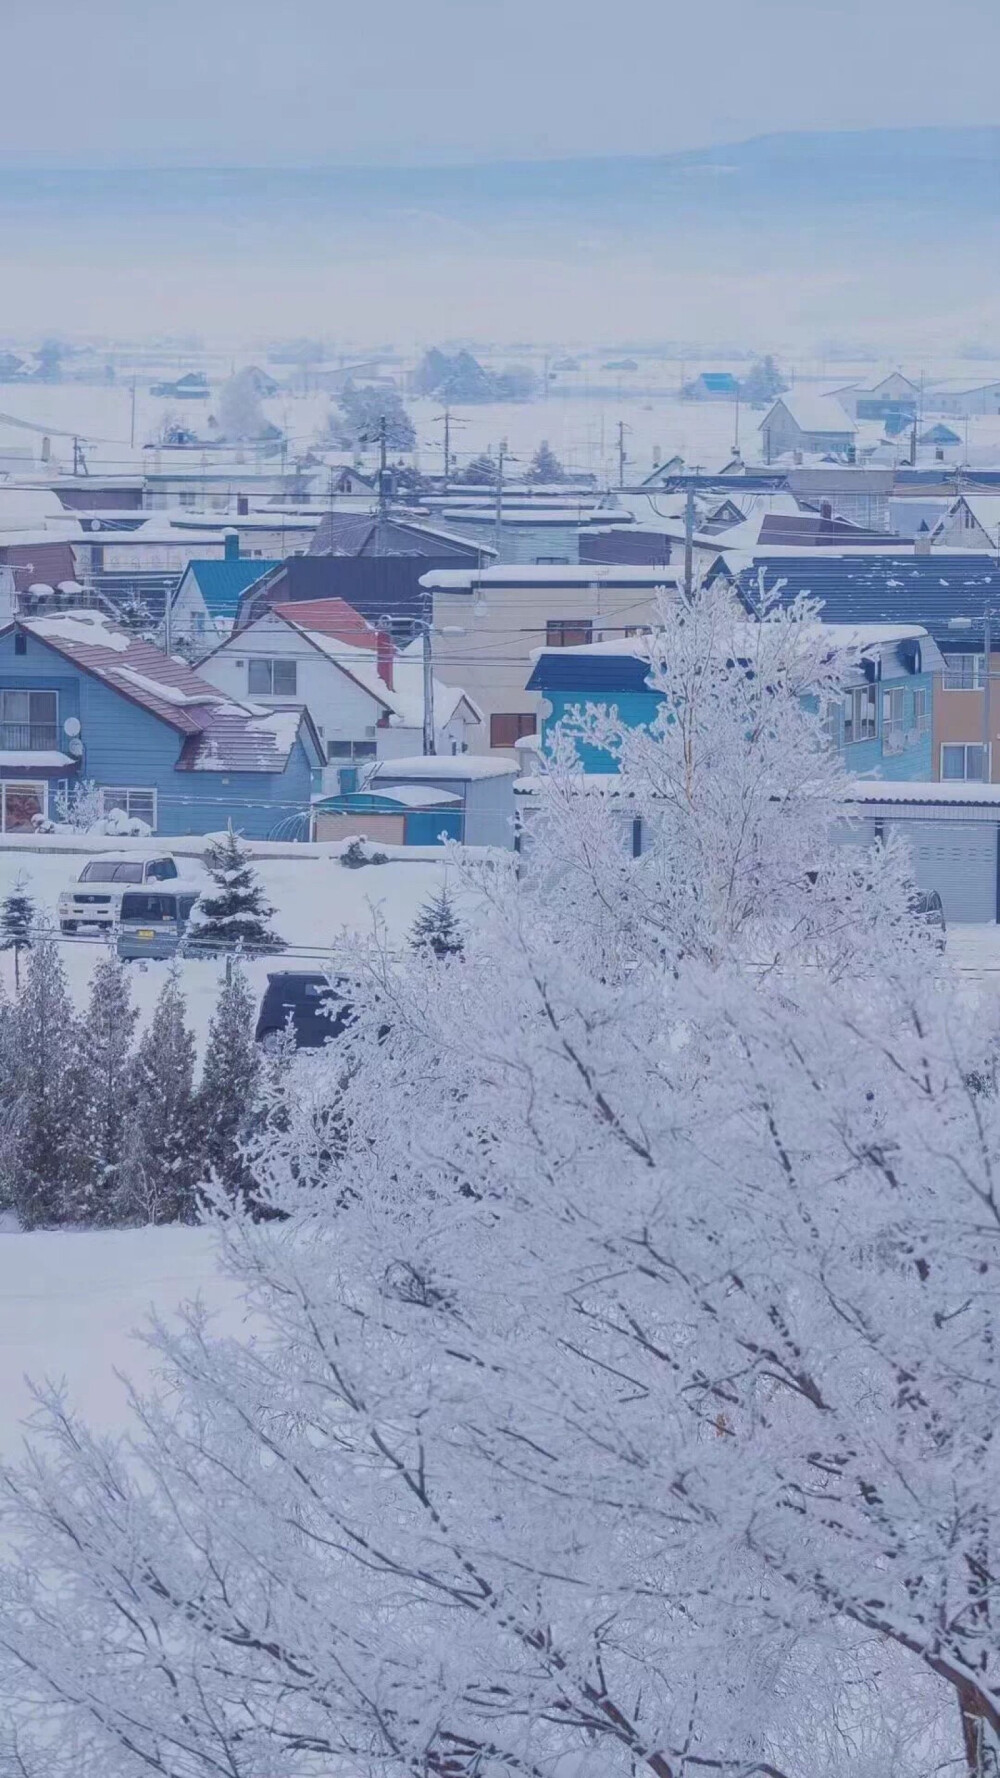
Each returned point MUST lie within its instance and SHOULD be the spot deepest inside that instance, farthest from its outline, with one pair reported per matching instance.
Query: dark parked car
(926, 905)
(315, 1005)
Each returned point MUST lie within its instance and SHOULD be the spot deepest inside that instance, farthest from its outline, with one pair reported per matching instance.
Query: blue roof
(221, 584)
(884, 589)
(563, 669)
(718, 379)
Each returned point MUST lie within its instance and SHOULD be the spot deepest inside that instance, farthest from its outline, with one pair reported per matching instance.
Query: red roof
(329, 617)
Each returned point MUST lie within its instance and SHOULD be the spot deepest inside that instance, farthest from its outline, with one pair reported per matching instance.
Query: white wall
(341, 709)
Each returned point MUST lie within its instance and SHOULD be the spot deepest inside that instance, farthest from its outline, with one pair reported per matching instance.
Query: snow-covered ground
(316, 900)
(70, 1304)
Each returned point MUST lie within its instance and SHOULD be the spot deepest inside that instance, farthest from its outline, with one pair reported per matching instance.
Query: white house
(971, 522)
(804, 420)
(963, 396)
(364, 696)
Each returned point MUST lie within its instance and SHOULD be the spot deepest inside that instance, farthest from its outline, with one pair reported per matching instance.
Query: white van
(95, 897)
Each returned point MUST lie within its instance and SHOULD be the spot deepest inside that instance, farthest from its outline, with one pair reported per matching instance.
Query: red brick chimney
(384, 652)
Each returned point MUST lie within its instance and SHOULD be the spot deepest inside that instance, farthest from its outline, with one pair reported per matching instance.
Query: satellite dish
(71, 726)
(75, 748)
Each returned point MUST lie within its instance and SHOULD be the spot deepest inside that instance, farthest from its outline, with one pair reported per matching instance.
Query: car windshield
(149, 909)
(107, 871)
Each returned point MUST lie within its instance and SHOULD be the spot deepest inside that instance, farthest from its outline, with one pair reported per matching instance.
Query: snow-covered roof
(913, 790)
(812, 411)
(415, 796)
(232, 741)
(985, 509)
(37, 760)
(462, 580)
(459, 766)
(84, 628)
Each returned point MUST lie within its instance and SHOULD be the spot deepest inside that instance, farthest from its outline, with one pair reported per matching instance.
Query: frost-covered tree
(762, 382)
(226, 1099)
(107, 1101)
(80, 806)
(437, 927)
(545, 465)
(17, 919)
(236, 916)
(623, 1389)
(161, 1168)
(41, 1158)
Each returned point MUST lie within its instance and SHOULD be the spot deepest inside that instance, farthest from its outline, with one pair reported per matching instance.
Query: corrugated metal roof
(857, 589)
(234, 741)
(128, 665)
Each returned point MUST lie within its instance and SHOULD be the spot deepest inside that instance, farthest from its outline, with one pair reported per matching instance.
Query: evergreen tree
(762, 382)
(17, 917)
(480, 471)
(42, 1156)
(106, 1101)
(235, 918)
(162, 1161)
(545, 465)
(226, 1102)
(437, 927)
(362, 410)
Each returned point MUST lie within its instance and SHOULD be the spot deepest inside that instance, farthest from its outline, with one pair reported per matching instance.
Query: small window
(552, 561)
(351, 750)
(860, 715)
(960, 761)
(507, 728)
(568, 632)
(272, 679)
(962, 672)
(20, 642)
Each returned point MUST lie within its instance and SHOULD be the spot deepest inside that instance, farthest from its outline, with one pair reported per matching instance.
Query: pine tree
(235, 918)
(226, 1101)
(437, 927)
(106, 1101)
(17, 917)
(43, 1155)
(162, 1162)
(545, 465)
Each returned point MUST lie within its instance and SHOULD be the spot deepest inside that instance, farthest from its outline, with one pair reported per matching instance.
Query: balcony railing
(29, 737)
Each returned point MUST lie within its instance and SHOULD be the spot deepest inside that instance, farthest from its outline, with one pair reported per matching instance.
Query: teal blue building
(882, 725)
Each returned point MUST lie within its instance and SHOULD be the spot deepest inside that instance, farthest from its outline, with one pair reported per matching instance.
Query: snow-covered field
(70, 1304)
(317, 903)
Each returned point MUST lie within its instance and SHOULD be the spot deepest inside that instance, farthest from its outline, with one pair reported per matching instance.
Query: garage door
(959, 860)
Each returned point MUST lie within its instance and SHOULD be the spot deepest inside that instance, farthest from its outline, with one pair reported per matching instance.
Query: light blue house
(882, 725)
(82, 701)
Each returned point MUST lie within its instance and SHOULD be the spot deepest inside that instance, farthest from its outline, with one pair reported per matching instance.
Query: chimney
(384, 652)
(231, 543)
(922, 544)
(825, 510)
(242, 505)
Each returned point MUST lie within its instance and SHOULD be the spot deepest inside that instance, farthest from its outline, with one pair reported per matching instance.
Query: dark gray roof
(882, 588)
(377, 534)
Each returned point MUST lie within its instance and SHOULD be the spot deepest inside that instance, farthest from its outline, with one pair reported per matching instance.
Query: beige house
(488, 621)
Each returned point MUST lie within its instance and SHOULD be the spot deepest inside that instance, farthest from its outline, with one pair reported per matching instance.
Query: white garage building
(953, 831)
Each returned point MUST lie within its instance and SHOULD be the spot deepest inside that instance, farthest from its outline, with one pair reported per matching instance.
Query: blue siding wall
(126, 746)
(638, 708)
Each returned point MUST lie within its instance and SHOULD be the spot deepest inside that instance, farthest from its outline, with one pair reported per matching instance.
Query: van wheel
(67, 925)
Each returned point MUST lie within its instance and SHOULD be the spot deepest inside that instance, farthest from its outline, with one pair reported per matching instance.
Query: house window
(921, 708)
(968, 519)
(272, 679)
(507, 728)
(552, 561)
(28, 721)
(962, 672)
(860, 715)
(961, 761)
(21, 805)
(351, 750)
(20, 643)
(138, 805)
(568, 632)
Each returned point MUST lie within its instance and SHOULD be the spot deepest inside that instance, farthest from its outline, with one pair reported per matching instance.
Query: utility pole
(689, 544)
(498, 512)
(621, 453)
(131, 434)
(987, 650)
(447, 446)
(383, 473)
(428, 629)
(736, 446)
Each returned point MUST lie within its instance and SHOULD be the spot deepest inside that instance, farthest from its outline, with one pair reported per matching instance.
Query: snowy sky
(264, 82)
